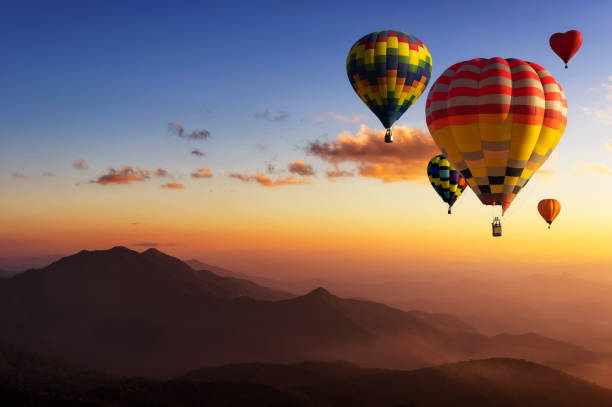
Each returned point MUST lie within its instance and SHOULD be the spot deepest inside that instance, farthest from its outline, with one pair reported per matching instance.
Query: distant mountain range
(151, 314)
(37, 381)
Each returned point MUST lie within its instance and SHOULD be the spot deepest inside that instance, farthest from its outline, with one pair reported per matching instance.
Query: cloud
(282, 116)
(337, 172)
(173, 185)
(546, 174)
(48, 174)
(601, 109)
(201, 173)
(178, 130)
(265, 181)
(146, 244)
(356, 118)
(301, 168)
(80, 165)
(586, 168)
(198, 153)
(17, 174)
(160, 172)
(261, 147)
(403, 160)
(126, 175)
(271, 168)
(608, 146)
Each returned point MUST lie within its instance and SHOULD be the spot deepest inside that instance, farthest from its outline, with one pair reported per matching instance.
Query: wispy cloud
(608, 146)
(337, 172)
(146, 244)
(201, 173)
(546, 174)
(265, 181)
(301, 168)
(403, 160)
(17, 174)
(160, 172)
(198, 153)
(601, 109)
(173, 185)
(587, 168)
(177, 129)
(125, 175)
(80, 165)
(281, 116)
(48, 174)
(356, 118)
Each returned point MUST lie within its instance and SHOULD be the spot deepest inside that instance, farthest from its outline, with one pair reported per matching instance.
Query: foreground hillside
(491, 382)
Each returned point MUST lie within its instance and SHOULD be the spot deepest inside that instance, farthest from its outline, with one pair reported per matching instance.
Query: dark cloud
(126, 175)
(301, 168)
(146, 244)
(271, 168)
(403, 160)
(201, 173)
(177, 129)
(198, 153)
(17, 174)
(80, 165)
(160, 172)
(282, 116)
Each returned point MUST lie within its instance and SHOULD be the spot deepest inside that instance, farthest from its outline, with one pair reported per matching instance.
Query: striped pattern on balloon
(497, 120)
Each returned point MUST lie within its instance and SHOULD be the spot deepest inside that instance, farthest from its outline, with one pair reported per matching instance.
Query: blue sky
(102, 81)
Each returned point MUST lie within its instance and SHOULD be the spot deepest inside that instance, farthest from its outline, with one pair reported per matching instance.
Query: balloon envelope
(389, 70)
(566, 44)
(549, 209)
(445, 179)
(497, 121)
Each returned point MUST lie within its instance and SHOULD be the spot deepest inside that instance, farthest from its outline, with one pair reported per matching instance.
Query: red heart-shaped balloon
(566, 44)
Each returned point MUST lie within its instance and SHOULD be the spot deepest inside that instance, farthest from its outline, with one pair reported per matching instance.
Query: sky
(190, 126)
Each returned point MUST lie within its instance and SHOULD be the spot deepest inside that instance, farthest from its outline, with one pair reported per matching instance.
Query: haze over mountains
(28, 379)
(151, 314)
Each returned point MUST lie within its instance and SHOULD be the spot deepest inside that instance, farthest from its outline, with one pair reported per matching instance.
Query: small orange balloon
(549, 209)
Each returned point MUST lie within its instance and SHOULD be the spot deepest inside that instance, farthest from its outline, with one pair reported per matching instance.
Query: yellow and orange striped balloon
(497, 121)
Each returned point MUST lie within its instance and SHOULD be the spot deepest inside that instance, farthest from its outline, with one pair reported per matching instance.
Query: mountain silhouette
(477, 383)
(151, 314)
(490, 382)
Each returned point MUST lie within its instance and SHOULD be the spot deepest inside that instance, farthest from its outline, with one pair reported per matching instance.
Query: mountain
(498, 382)
(19, 367)
(7, 274)
(220, 271)
(478, 383)
(151, 314)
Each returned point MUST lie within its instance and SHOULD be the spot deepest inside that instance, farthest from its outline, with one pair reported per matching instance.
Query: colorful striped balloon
(389, 70)
(497, 120)
(445, 179)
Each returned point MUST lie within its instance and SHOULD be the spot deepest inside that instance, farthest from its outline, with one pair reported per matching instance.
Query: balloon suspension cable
(388, 136)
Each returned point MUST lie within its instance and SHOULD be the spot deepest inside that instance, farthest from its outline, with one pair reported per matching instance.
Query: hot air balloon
(566, 44)
(549, 209)
(446, 180)
(497, 121)
(389, 70)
